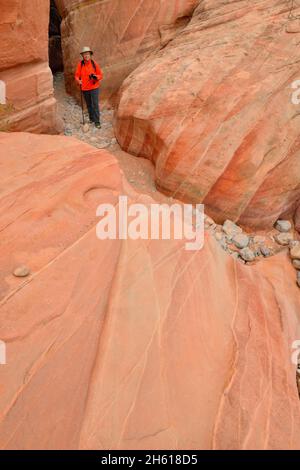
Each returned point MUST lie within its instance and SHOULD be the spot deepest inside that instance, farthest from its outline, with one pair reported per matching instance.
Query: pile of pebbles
(245, 247)
(249, 248)
(100, 138)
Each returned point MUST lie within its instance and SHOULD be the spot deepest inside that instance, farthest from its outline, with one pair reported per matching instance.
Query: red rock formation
(24, 67)
(121, 32)
(214, 111)
(132, 345)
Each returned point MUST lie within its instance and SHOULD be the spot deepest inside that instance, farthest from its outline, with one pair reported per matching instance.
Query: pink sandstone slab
(132, 344)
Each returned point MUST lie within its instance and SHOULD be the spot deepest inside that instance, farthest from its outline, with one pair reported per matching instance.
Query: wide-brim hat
(86, 49)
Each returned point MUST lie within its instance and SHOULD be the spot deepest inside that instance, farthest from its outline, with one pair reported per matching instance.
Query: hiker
(88, 75)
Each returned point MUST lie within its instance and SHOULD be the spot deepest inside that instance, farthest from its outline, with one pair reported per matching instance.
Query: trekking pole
(82, 105)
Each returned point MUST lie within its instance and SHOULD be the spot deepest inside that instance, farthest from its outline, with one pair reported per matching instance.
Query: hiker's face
(87, 56)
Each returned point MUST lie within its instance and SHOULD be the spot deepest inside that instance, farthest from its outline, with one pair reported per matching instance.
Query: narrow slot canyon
(55, 49)
(139, 172)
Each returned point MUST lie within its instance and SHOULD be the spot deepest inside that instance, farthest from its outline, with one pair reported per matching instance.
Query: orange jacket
(83, 72)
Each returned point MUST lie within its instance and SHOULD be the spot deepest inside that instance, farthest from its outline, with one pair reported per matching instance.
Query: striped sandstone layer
(213, 110)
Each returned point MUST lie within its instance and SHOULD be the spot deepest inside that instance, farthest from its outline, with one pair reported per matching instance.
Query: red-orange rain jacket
(83, 72)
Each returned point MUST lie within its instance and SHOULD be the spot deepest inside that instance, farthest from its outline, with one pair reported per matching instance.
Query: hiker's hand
(79, 82)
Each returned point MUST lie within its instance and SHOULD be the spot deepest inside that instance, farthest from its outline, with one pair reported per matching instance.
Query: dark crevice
(298, 375)
(55, 49)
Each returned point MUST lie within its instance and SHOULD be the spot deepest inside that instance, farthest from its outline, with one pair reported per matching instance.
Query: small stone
(295, 251)
(21, 271)
(283, 225)
(296, 263)
(240, 240)
(218, 236)
(283, 238)
(209, 220)
(86, 128)
(230, 228)
(265, 251)
(247, 254)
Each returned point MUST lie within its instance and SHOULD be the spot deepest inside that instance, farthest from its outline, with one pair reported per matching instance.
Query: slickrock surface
(132, 344)
(30, 105)
(121, 32)
(214, 111)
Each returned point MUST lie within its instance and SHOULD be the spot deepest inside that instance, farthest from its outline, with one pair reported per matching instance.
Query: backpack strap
(83, 64)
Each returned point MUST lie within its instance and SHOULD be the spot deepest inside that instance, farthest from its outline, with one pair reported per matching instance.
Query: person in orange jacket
(88, 76)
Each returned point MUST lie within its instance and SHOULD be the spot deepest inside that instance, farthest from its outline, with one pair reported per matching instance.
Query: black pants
(92, 101)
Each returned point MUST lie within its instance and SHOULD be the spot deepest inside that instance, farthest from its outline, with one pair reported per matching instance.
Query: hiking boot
(98, 125)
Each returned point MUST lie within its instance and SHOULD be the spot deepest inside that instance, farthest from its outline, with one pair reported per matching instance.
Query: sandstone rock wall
(213, 110)
(132, 345)
(24, 67)
(121, 32)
